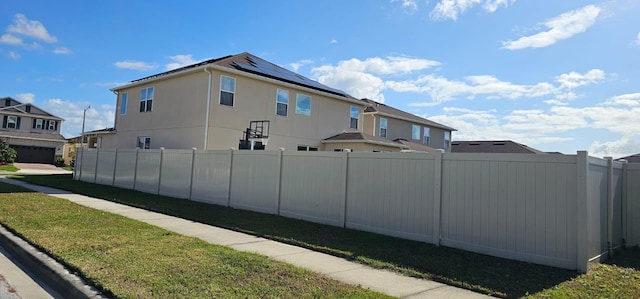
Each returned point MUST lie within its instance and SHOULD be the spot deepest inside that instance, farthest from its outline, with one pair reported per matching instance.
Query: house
(631, 159)
(31, 131)
(500, 146)
(418, 133)
(238, 101)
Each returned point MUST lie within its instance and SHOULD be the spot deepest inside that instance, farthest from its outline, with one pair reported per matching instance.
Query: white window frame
(52, 125)
(282, 98)
(300, 97)
(353, 109)
(447, 139)
(415, 132)
(123, 103)
(426, 137)
(12, 120)
(39, 123)
(230, 91)
(148, 99)
(144, 142)
(383, 126)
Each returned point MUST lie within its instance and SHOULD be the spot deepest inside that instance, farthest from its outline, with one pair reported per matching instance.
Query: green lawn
(130, 259)
(8, 167)
(490, 275)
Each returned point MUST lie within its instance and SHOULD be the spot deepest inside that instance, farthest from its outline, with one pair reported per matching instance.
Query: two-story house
(210, 105)
(31, 131)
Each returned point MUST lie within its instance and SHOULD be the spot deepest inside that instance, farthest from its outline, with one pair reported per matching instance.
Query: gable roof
(249, 63)
(388, 111)
(499, 146)
(631, 159)
(15, 107)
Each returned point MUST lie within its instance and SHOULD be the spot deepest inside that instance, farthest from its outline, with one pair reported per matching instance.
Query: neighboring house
(31, 131)
(418, 133)
(631, 159)
(210, 105)
(500, 146)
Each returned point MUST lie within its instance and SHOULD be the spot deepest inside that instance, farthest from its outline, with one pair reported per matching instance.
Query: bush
(7, 154)
(59, 162)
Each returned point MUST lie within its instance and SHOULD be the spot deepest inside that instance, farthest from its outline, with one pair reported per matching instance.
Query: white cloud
(61, 50)
(625, 146)
(629, 100)
(333, 41)
(561, 27)
(451, 9)
(11, 40)
(135, 65)
(638, 39)
(26, 97)
(35, 29)
(408, 4)
(179, 61)
(14, 55)
(97, 117)
(295, 66)
(574, 79)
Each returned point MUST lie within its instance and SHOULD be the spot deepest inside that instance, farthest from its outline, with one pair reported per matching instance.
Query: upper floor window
(227, 90)
(38, 124)
(144, 142)
(146, 99)
(7, 102)
(11, 122)
(354, 115)
(27, 108)
(303, 104)
(123, 103)
(415, 132)
(425, 136)
(282, 102)
(52, 125)
(383, 127)
(447, 139)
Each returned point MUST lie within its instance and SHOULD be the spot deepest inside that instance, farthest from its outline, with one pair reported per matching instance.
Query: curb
(48, 270)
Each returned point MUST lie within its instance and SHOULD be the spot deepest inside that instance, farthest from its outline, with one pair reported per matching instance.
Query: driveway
(37, 168)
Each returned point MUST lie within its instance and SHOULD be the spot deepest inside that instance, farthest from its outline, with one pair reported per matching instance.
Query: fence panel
(618, 185)
(255, 181)
(391, 194)
(176, 173)
(106, 163)
(211, 177)
(88, 165)
(597, 194)
(148, 171)
(515, 206)
(125, 168)
(632, 205)
(311, 187)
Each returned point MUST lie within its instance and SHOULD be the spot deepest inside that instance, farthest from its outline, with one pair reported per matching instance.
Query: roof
(101, 131)
(631, 159)
(250, 63)
(416, 147)
(18, 108)
(499, 146)
(384, 110)
(357, 136)
(32, 136)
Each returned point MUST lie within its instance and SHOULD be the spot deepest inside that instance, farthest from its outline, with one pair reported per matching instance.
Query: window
(12, 122)
(447, 139)
(7, 102)
(38, 124)
(415, 132)
(425, 136)
(227, 90)
(383, 127)
(146, 99)
(52, 125)
(123, 103)
(144, 142)
(282, 102)
(354, 115)
(306, 148)
(27, 108)
(303, 104)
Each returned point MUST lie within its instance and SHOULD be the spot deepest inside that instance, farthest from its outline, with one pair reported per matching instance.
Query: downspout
(206, 121)
(115, 119)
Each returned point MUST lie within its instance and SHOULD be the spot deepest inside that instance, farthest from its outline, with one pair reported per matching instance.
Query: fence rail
(557, 210)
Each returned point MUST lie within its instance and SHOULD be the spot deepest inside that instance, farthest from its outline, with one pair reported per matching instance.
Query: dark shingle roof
(357, 136)
(382, 109)
(500, 146)
(631, 159)
(32, 135)
(417, 147)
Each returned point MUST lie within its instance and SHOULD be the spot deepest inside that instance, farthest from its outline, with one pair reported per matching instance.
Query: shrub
(59, 162)
(7, 154)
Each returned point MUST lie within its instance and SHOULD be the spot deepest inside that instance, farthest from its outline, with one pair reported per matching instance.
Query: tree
(7, 154)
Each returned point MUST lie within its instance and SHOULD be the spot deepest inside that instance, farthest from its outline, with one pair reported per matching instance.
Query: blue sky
(555, 75)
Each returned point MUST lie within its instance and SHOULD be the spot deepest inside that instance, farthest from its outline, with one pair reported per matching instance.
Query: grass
(130, 259)
(8, 167)
(486, 274)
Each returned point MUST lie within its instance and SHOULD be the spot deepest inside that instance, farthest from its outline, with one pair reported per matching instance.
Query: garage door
(34, 154)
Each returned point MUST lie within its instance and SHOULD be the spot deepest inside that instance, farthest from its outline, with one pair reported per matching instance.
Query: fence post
(135, 169)
(582, 212)
(193, 169)
(437, 196)
(609, 206)
(115, 167)
(230, 174)
(625, 202)
(345, 185)
(279, 186)
(160, 170)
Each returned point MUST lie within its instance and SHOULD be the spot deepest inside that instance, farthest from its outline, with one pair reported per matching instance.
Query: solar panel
(257, 65)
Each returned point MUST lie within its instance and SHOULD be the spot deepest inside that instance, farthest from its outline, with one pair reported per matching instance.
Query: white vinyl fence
(557, 210)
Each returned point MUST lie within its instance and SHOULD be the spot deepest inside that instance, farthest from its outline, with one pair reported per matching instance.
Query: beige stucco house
(31, 131)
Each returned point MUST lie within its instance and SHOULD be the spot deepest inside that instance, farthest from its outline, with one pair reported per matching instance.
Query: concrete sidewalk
(337, 268)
